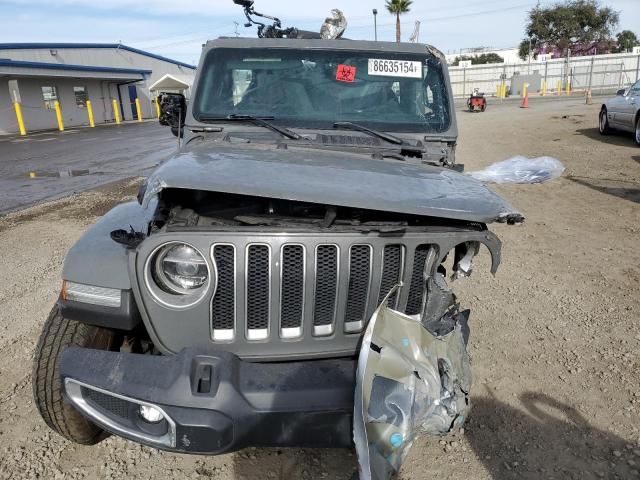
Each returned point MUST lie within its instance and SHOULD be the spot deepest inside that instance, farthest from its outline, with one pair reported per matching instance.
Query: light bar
(78, 292)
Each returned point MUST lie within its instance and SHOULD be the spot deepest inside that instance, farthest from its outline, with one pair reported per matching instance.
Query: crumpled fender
(96, 259)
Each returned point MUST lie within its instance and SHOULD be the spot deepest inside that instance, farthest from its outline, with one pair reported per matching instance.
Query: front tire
(637, 131)
(603, 122)
(48, 392)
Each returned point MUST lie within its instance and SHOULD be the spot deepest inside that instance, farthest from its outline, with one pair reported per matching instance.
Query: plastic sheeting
(521, 170)
(410, 381)
(333, 26)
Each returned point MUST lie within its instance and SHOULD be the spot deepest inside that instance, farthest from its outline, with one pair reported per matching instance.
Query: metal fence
(600, 74)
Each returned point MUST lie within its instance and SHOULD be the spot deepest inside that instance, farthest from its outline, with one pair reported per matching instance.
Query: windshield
(316, 88)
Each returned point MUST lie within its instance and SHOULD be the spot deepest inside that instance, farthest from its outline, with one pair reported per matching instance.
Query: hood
(330, 177)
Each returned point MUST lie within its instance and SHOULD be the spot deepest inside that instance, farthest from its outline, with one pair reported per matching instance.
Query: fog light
(150, 414)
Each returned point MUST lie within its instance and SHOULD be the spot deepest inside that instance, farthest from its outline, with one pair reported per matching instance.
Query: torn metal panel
(330, 177)
(410, 381)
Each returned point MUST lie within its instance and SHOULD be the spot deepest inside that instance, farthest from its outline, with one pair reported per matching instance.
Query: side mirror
(620, 92)
(173, 111)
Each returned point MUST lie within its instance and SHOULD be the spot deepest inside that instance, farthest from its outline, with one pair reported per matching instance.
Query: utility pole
(375, 23)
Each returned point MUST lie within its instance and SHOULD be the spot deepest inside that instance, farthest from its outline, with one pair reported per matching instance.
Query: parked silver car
(622, 112)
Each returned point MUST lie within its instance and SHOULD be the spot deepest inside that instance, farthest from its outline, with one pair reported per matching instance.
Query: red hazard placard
(346, 73)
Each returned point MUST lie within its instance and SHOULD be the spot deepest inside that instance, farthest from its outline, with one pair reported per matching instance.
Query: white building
(38, 74)
(510, 55)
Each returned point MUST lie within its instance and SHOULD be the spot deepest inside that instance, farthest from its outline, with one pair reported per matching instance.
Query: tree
(569, 24)
(479, 59)
(397, 8)
(626, 40)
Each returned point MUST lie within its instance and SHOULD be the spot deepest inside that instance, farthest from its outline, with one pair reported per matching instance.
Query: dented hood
(330, 177)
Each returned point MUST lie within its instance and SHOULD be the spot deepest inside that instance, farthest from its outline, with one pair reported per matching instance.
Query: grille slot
(292, 276)
(112, 405)
(392, 266)
(326, 292)
(258, 288)
(223, 304)
(359, 286)
(416, 287)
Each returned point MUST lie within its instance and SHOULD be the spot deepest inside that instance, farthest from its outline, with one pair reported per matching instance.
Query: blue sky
(178, 28)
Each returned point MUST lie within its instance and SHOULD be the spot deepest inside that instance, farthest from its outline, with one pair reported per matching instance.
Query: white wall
(609, 73)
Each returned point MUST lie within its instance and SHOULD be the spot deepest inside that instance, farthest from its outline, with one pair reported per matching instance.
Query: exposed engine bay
(180, 208)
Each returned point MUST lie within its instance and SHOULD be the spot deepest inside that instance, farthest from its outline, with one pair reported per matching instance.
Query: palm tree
(398, 7)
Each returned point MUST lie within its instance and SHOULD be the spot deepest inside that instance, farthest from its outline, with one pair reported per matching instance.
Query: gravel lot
(555, 335)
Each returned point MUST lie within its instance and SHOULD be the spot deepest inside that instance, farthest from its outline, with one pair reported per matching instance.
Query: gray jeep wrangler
(282, 278)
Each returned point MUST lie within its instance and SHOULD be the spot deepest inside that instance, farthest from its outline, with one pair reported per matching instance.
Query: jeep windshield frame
(302, 87)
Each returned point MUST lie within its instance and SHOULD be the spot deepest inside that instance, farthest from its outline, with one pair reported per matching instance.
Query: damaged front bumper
(413, 377)
(212, 403)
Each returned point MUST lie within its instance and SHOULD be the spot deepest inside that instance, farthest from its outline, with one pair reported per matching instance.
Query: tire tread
(57, 334)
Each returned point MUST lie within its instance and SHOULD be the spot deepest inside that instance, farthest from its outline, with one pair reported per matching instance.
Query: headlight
(179, 269)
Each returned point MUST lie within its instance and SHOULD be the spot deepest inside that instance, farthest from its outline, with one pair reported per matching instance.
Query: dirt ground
(555, 335)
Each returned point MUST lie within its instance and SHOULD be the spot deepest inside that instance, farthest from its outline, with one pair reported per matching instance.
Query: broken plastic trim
(411, 380)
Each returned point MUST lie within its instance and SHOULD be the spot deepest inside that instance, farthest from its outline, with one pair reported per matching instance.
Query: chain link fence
(600, 74)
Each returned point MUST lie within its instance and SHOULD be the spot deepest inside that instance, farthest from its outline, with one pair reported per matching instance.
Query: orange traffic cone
(525, 100)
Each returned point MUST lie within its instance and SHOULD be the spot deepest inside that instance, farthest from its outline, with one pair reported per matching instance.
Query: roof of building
(5, 62)
(34, 46)
(170, 81)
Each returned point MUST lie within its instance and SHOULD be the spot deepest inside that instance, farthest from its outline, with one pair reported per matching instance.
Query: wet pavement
(49, 165)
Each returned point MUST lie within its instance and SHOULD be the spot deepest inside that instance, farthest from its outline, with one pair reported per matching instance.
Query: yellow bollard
(138, 110)
(56, 106)
(16, 105)
(544, 88)
(568, 88)
(157, 107)
(559, 88)
(524, 90)
(504, 90)
(116, 111)
(90, 114)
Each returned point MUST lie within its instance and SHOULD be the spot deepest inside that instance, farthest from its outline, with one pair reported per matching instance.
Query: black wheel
(637, 131)
(484, 107)
(57, 334)
(603, 123)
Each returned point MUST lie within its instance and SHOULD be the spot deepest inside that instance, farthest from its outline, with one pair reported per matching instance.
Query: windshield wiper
(261, 121)
(374, 133)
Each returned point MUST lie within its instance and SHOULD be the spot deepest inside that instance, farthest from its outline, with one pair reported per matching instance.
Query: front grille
(301, 294)
(309, 289)
(106, 403)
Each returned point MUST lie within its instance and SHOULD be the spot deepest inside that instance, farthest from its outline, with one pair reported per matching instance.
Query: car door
(615, 106)
(628, 107)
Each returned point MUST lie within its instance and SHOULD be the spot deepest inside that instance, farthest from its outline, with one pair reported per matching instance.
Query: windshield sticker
(346, 73)
(395, 68)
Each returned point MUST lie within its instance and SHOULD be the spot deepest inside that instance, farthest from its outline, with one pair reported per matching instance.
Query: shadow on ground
(613, 138)
(627, 190)
(548, 440)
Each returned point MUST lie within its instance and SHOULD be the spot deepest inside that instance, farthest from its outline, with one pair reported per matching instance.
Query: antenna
(415, 36)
